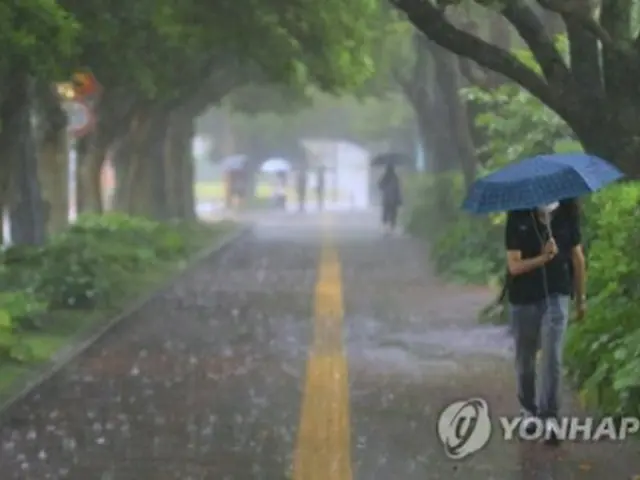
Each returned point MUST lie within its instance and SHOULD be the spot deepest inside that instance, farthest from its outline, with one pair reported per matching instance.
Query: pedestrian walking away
(301, 188)
(320, 187)
(391, 191)
(546, 268)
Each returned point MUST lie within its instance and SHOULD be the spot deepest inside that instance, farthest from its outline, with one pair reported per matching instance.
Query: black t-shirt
(524, 232)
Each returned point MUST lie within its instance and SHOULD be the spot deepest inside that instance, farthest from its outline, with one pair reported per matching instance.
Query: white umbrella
(234, 162)
(274, 165)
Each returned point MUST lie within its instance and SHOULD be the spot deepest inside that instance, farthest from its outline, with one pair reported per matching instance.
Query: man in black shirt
(546, 267)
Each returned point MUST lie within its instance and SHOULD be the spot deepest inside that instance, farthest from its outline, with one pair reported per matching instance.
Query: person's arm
(518, 265)
(515, 263)
(579, 265)
(579, 273)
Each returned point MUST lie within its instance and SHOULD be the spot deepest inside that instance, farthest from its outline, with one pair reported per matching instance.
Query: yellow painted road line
(323, 450)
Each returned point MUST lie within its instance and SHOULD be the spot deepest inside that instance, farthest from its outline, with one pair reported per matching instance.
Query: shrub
(603, 354)
(90, 262)
(462, 248)
(18, 311)
(95, 261)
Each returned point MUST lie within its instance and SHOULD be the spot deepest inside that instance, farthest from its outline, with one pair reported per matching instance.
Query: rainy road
(309, 350)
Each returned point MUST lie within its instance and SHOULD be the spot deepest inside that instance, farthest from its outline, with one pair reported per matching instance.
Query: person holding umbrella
(391, 192)
(390, 186)
(545, 263)
(546, 266)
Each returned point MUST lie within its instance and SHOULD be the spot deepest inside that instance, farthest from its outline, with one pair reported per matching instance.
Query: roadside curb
(85, 339)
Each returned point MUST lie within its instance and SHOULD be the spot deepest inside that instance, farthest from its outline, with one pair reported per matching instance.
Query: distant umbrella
(275, 165)
(396, 159)
(234, 162)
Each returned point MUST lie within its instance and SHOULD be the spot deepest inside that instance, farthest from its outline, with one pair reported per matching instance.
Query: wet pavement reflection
(206, 382)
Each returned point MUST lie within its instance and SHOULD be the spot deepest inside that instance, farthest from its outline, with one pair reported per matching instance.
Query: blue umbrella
(538, 181)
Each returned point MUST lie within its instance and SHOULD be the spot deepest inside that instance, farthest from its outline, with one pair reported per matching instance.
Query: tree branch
(578, 11)
(432, 23)
(532, 31)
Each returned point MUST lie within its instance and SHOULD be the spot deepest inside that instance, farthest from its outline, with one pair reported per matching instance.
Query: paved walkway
(309, 350)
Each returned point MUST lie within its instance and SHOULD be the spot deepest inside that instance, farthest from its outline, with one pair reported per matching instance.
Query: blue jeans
(540, 326)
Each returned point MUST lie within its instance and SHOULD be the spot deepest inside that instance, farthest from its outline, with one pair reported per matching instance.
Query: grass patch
(216, 190)
(63, 327)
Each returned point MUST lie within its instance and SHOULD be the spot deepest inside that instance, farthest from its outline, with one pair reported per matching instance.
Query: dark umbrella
(539, 181)
(396, 159)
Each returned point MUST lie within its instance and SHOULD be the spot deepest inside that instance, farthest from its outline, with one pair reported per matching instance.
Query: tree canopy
(593, 90)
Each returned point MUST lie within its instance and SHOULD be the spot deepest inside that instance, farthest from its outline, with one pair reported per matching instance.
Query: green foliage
(166, 49)
(463, 248)
(24, 25)
(515, 123)
(507, 112)
(602, 352)
(86, 264)
(90, 266)
(18, 312)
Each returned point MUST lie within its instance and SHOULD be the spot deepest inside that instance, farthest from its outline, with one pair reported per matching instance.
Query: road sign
(80, 118)
(85, 84)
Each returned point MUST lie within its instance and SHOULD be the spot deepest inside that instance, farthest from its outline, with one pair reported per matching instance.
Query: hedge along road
(240, 372)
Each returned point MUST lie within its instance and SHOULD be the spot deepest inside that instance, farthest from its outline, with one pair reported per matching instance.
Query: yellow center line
(323, 450)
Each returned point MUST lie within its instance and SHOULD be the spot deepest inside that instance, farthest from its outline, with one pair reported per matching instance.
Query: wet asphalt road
(207, 381)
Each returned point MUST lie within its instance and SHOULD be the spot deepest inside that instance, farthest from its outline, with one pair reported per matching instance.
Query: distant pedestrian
(320, 187)
(391, 191)
(281, 190)
(301, 189)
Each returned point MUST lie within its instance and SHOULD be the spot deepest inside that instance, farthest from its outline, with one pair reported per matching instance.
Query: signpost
(80, 121)
(80, 118)
(78, 98)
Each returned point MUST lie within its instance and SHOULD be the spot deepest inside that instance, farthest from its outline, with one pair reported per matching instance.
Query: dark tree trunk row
(154, 167)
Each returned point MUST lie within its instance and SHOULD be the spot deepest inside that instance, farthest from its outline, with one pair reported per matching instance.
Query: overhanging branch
(532, 31)
(433, 24)
(578, 11)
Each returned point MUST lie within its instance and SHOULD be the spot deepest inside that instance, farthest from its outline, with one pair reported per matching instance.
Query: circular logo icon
(464, 427)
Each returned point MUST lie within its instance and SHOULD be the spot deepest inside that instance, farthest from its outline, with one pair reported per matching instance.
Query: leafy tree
(162, 63)
(594, 91)
(27, 60)
(515, 123)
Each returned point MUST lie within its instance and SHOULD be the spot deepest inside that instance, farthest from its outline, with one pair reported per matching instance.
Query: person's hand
(550, 249)
(581, 308)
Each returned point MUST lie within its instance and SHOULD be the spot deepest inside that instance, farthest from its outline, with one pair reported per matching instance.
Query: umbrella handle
(547, 223)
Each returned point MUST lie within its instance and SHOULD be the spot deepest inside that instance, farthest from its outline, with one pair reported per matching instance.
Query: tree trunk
(180, 168)
(613, 142)
(26, 206)
(91, 152)
(155, 158)
(188, 172)
(141, 178)
(133, 187)
(53, 166)
(457, 118)
(124, 171)
(430, 109)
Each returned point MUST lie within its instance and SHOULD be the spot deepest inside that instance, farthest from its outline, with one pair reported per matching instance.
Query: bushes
(463, 248)
(602, 352)
(91, 266)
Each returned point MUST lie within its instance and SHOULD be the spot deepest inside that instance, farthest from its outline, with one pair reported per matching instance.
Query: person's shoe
(530, 422)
